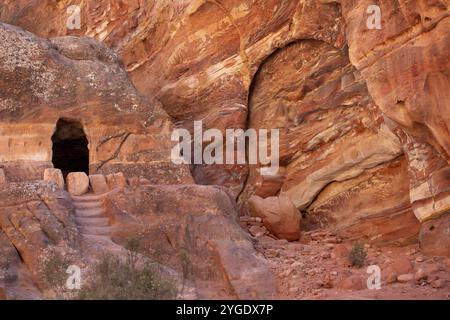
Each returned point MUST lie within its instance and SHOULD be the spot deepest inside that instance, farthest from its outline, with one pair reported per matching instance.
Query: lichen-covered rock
(35, 218)
(54, 175)
(79, 79)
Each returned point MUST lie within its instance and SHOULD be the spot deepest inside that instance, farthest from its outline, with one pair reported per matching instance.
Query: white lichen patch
(9, 105)
(20, 51)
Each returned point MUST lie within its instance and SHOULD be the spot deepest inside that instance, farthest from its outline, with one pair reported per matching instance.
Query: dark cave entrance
(70, 147)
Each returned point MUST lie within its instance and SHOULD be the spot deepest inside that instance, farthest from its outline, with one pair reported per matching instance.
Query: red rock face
(363, 114)
(80, 80)
(406, 67)
(206, 53)
(336, 151)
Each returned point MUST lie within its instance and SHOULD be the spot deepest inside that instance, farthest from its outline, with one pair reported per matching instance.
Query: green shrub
(358, 255)
(114, 279)
(53, 270)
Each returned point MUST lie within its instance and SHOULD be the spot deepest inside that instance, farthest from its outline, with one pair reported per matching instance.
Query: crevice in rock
(116, 152)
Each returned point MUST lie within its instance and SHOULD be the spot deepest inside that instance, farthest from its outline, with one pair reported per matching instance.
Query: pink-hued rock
(98, 183)
(2, 294)
(406, 67)
(78, 79)
(434, 236)
(201, 235)
(54, 175)
(347, 117)
(116, 180)
(408, 277)
(77, 183)
(278, 214)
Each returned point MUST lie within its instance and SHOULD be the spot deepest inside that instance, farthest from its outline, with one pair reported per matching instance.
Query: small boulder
(54, 175)
(279, 216)
(77, 183)
(116, 181)
(438, 283)
(98, 183)
(407, 277)
(420, 275)
(434, 236)
(354, 282)
(256, 231)
(391, 278)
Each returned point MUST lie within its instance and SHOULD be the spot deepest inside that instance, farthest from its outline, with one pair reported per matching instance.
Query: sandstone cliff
(363, 113)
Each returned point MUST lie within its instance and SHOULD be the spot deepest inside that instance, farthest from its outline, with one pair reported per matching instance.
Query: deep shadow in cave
(70, 147)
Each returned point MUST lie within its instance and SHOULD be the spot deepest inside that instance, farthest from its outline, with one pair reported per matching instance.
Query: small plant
(115, 279)
(133, 245)
(53, 270)
(358, 255)
(186, 265)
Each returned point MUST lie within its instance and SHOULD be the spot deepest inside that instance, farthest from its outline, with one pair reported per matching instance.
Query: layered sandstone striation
(237, 65)
(363, 116)
(406, 67)
(36, 221)
(129, 138)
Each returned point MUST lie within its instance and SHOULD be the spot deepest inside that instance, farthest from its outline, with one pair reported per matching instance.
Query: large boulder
(77, 183)
(279, 216)
(194, 230)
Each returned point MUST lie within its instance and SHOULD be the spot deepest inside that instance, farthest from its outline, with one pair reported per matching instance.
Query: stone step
(89, 198)
(92, 221)
(101, 239)
(97, 231)
(87, 205)
(92, 213)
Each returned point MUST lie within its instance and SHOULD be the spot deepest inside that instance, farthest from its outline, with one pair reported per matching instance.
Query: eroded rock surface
(363, 115)
(77, 79)
(36, 219)
(194, 229)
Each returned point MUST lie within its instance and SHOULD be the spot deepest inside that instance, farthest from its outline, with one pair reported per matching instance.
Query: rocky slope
(71, 78)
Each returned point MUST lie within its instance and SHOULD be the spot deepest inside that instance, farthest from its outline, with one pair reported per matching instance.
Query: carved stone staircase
(92, 220)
